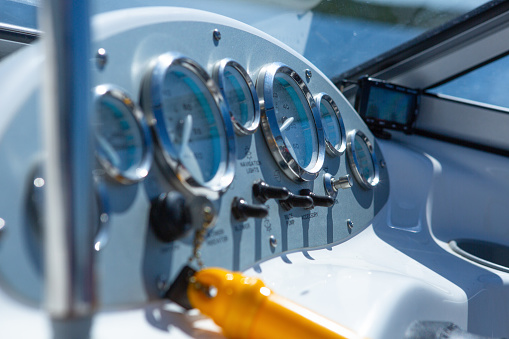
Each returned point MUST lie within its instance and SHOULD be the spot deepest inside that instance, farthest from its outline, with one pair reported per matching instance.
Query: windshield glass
(335, 35)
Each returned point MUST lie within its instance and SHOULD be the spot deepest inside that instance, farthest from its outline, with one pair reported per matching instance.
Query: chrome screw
(382, 164)
(273, 241)
(349, 223)
(308, 74)
(162, 283)
(2, 226)
(101, 58)
(216, 34)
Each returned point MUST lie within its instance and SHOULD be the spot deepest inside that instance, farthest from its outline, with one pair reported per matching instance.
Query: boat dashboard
(217, 145)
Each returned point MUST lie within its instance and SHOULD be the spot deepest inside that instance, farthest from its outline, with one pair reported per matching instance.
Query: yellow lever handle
(245, 308)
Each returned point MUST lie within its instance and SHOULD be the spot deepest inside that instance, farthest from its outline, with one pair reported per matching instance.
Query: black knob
(241, 210)
(294, 200)
(170, 218)
(319, 200)
(263, 192)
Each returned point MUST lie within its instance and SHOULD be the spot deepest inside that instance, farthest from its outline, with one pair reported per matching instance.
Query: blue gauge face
(330, 123)
(238, 96)
(295, 121)
(193, 123)
(119, 136)
(366, 166)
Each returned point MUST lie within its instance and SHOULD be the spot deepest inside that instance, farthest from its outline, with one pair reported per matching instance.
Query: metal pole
(66, 97)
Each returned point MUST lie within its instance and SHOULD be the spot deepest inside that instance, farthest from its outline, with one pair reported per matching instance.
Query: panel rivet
(2, 225)
(349, 223)
(101, 58)
(273, 241)
(308, 74)
(216, 34)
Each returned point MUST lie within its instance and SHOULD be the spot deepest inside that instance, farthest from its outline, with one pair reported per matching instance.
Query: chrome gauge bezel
(331, 149)
(219, 76)
(152, 102)
(123, 100)
(355, 165)
(271, 130)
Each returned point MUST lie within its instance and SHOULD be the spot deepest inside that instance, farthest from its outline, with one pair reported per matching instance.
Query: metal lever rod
(67, 119)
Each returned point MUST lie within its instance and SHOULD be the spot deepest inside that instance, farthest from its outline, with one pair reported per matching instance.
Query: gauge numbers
(122, 135)
(240, 94)
(192, 125)
(291, 122)
(333, 127)
(362, 159)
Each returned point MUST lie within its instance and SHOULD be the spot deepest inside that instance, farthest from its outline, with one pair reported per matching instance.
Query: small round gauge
(239, 91)
(124, 146)
(192, 125)
(362, 159)
(291, 122)
(333, 127)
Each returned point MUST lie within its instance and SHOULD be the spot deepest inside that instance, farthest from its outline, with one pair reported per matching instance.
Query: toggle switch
(332, 185)
(318, 200)
(263, 192)
(241, 210)
(294, 200)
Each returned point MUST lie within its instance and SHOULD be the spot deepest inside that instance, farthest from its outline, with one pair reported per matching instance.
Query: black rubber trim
(11, 33)
(426, 40)
(461, 142)
(489, 61)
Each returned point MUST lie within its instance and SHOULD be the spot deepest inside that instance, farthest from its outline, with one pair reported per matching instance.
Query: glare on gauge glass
(295, 121)
(191, 124)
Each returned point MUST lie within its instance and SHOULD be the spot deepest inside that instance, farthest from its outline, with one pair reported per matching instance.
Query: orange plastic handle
(245, 308)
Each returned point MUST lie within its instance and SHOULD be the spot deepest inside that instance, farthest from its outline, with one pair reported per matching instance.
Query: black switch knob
(318, 200)
(263, 192)
(170, 218)
(294, 200)
(241, 210)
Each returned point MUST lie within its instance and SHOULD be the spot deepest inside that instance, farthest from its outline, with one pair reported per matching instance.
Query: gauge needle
(186, 154)
(109, 151)
(186, 133)
(285, 124)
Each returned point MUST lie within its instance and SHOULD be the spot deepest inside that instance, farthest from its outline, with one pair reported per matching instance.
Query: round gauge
(291, 122)
(362, 159)
(124, 146)
(192, 125)
(333, 128)
(239, 91)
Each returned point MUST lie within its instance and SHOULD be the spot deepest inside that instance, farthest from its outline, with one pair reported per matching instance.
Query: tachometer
(124, 147)
(361, 155)
(291, 122)
(239, 91)
(333, 127)
(191, 124)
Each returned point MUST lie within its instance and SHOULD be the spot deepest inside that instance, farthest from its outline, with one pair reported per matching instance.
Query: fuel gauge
(124, 147)
(333, 127)
(361, 155)
(239, 91)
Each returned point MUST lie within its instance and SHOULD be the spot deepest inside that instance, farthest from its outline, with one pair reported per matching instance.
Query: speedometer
(290, 122)
(361, 155)
(191, 124)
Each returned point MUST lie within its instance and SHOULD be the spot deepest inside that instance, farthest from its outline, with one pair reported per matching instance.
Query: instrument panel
(214, 142)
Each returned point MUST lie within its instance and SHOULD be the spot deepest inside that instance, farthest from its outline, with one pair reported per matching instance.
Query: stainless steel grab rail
(67, 117)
